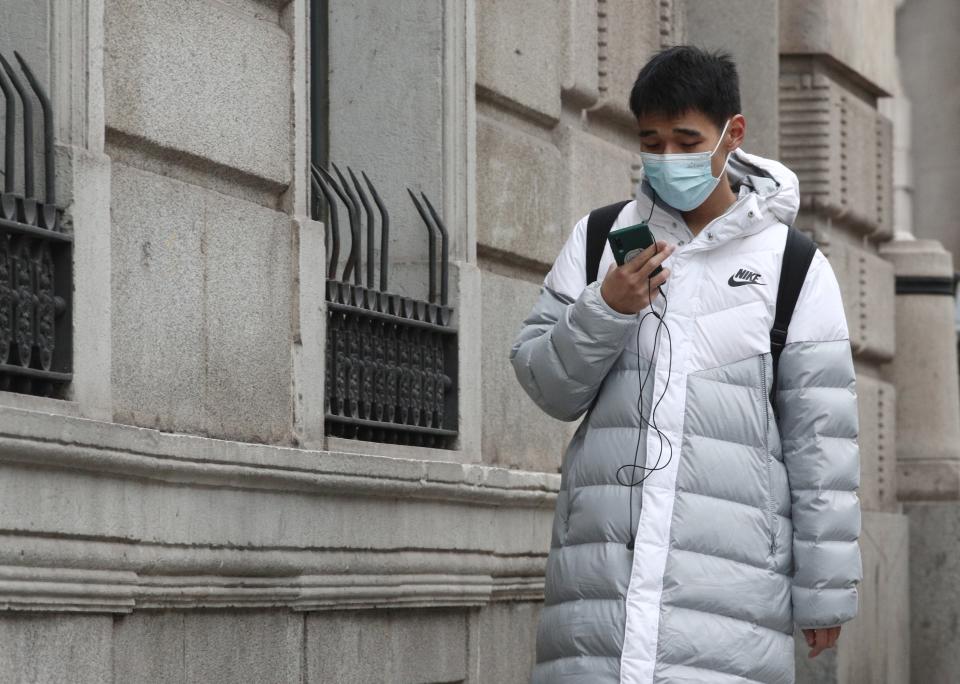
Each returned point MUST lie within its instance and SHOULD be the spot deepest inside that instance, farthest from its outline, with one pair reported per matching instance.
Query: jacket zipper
(766, 453)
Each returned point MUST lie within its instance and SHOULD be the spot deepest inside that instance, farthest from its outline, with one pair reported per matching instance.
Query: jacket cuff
(599, 320)
(824, 607)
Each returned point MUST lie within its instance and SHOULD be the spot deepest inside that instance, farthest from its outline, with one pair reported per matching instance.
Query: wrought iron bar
(444, 250)
(334, 227)
(28, 202)
(353, 260)
(431, 242)
(369, 211)
(49, 213)
(384, 232)
(10, 132)
(353, 211)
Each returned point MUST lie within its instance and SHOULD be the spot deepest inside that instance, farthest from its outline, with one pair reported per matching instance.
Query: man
(690, 541)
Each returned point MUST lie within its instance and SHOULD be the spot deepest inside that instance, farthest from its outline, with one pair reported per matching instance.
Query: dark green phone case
(629, 241)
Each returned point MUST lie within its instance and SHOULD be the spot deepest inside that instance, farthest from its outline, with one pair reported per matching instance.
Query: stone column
(925, 372)
(928, 444)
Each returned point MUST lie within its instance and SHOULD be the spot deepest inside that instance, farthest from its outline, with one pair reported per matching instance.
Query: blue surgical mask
(683, 181)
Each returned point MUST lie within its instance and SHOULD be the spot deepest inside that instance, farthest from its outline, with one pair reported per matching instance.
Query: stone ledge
(37, 438)
(28, 402)
(133, 518)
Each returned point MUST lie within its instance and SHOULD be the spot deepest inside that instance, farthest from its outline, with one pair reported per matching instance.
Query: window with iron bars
(36, 260)
(391, 360)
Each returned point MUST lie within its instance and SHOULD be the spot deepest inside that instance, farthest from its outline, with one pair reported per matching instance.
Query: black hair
(684, 78)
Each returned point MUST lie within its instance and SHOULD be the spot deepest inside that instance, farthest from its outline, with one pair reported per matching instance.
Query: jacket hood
(776, 186)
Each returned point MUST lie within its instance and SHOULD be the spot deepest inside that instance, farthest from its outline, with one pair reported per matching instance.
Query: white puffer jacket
(750, 528)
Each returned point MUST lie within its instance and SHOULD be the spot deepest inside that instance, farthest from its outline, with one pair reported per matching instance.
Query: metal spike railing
(390, 360)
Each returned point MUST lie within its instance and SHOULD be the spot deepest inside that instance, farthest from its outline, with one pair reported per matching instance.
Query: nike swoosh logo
(737, 283)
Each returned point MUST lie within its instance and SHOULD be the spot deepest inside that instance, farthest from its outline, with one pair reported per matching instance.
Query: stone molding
(110, 591)
(495, 524)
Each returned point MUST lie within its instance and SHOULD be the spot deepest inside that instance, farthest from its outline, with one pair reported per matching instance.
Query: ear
(736, 132)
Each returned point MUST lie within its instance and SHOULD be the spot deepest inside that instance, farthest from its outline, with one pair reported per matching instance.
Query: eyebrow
(685, 131)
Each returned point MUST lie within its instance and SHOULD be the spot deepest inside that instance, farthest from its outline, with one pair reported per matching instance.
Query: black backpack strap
(598, 227)
(798, 254)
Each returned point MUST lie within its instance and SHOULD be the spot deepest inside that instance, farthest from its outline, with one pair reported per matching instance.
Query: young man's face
(692, 131)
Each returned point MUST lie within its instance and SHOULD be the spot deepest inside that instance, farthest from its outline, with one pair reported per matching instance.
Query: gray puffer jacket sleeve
(566, 347)
(819, 431)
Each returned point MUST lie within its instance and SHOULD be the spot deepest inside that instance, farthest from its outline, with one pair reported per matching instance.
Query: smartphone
(628, 242)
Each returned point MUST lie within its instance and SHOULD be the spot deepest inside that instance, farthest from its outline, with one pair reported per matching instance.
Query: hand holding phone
(631, 286)
(627, 243)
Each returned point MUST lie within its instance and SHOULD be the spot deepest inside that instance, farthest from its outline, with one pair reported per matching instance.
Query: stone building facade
(181, 511)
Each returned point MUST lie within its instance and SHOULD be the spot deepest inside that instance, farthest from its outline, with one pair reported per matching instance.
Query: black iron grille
(36, 261)
(391, 361)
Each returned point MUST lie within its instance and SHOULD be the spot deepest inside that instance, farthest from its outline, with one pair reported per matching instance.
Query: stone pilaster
(925, 372)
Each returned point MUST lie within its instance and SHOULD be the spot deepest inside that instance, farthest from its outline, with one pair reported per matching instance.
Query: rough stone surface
(877, 648)
(272, 646)
(934, 590)
(309, 333)
(597, 173)
(516, 433)
(825, 27)
(753, 45)
(190, 77)
(386, 646)
(50, 649)
(507, 636)
(519, 181)
(89, 201)
(201, 314)
(174, 647)
(519, 50)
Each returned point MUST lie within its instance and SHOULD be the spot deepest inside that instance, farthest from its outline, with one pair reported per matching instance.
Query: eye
(688, 146)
